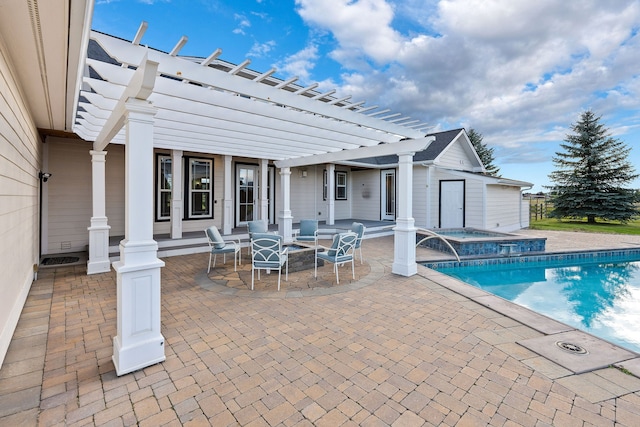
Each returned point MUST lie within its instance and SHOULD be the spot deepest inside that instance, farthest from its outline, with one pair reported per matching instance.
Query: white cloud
(243, 23)
(261, 49)
(516, 71)
(300, 64)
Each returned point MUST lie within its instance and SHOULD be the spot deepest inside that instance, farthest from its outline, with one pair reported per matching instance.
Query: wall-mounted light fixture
(303, 173)
(44, 176)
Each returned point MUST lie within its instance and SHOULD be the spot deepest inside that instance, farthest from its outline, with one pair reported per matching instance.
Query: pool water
(602, 298)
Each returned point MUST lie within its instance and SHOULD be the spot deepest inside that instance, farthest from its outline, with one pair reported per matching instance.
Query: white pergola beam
(140, 33)
(264, 75)
(305, 89)
(125, 52)
(211, 57)
(140, 87)
(413, 145)
(286, 83)
(176, 49)
(240, 66)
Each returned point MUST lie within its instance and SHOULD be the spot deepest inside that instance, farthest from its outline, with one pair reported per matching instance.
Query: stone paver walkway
(383, 350)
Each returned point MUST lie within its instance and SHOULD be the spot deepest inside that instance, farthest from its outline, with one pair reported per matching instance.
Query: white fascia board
(128, 53)
(401, 147)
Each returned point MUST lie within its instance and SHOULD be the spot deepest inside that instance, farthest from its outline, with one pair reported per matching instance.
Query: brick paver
(381, 350)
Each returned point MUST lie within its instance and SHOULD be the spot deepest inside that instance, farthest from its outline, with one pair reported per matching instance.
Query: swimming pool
(598, 293)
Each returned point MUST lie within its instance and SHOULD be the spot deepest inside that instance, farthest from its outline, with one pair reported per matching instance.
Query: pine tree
(485, 153)
(591, 174)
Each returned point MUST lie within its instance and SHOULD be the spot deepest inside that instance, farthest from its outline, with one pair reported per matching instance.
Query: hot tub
(472, 242)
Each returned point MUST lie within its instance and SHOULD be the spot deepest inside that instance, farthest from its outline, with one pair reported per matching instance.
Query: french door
(248, 194)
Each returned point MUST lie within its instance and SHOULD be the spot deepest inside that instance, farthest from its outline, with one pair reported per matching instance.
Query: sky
(518, 72)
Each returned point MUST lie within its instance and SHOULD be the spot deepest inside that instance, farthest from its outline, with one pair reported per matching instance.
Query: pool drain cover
(571, 348)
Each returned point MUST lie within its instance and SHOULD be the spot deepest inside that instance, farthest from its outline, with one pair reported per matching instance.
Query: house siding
(366, 194)
(20, 162)
(420, 199)
(455, 157)
(70, 195)
(503, 208)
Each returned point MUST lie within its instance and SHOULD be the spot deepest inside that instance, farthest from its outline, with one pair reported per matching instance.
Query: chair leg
(209, 268)
(353, 271)
(279, 274)
(235, 266)
(214, 260)
(335, 268)
(224, 258)
(252, 271)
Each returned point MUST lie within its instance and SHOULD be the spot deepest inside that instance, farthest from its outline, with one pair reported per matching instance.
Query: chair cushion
(257, 226)
(332, 251)
(308, 227)
(215, 237)
(358, 228)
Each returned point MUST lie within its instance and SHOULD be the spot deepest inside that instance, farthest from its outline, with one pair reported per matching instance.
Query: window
(324, 186)
(200, 188)
(341, 186)
(163, 199)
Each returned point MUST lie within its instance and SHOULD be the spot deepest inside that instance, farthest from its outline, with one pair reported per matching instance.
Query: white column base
(176, 219)
(404, 253)
(98, 246)
(285, 226)
(139, 342)
(227, 217)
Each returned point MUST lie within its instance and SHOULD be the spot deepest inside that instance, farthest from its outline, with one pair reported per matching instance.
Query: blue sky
(520, 73)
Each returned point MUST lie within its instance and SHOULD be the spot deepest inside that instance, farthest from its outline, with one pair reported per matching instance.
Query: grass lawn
(613, 227)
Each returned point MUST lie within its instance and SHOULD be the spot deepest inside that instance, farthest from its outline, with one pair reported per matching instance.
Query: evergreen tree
(591, 173)
(485, 153)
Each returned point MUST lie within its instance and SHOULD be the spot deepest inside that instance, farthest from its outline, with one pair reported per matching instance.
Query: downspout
(522, 190)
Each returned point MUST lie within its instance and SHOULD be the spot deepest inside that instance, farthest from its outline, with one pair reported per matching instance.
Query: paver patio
(381, 350)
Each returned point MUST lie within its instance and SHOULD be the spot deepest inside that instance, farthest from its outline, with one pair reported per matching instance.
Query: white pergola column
(139, 342)
(264, 195)
(404, 258)
(99, 229)
(285, 225)
(227, 204)
(331, 194)
(177, 206)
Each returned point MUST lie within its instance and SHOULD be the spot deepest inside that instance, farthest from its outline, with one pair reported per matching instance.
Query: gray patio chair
(358, 228)
(217, 245)
(341, 251)
(267, 253)
(308, 232)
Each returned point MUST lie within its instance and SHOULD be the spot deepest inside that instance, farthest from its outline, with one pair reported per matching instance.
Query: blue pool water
(600, 297)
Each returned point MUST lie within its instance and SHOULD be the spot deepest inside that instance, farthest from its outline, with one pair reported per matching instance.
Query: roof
(437, 147)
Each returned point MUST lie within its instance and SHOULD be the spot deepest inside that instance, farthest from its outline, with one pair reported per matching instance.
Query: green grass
(612, 227)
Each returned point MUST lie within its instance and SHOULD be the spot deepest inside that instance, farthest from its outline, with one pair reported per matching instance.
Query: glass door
(246, 193)
(388, 196)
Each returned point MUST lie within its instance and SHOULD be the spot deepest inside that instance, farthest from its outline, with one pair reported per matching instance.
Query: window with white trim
(325, 191)
(200, 188)
(341, 185)
(164, 184)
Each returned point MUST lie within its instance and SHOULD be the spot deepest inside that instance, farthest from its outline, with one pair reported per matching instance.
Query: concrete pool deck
(380, 350)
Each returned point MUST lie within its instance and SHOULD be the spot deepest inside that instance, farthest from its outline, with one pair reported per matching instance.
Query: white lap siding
(20, 159)
(366, 194)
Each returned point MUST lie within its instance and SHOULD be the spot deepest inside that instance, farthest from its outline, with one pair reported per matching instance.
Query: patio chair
(217, 245)
(341, 251)
(308, 231)
(358, 228)
(256, 226)
(267, 254)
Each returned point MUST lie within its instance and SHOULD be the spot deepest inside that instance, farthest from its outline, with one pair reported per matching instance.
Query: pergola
(146, 99)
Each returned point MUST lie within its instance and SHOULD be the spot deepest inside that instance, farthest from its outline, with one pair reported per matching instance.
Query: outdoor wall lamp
(44, 176)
